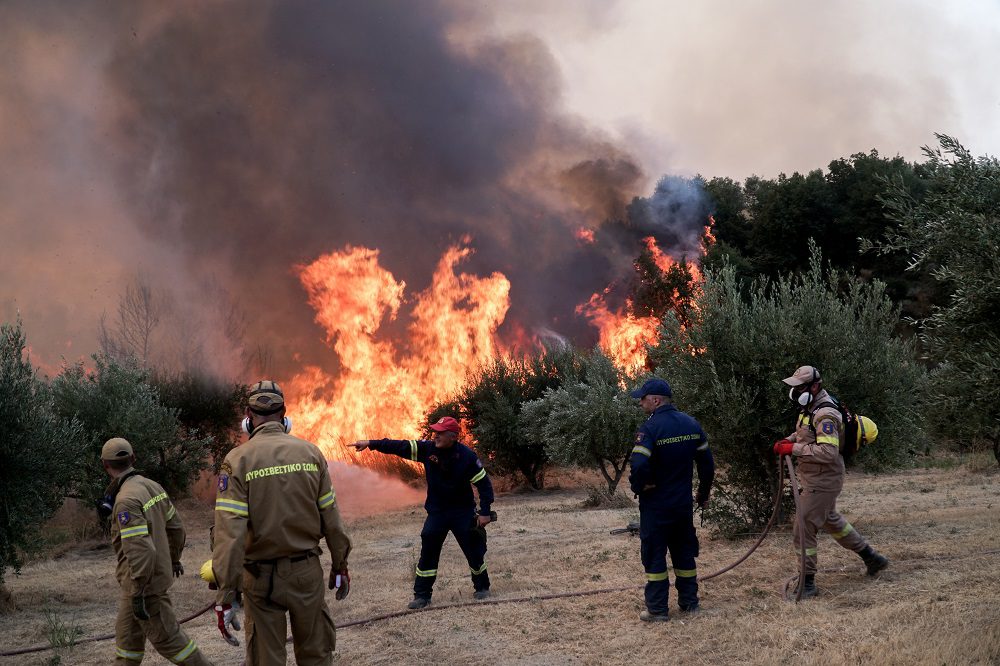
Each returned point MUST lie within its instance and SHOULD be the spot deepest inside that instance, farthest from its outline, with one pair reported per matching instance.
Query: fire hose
(564, 595)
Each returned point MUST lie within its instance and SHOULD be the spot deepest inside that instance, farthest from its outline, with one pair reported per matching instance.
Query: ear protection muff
(286, 423)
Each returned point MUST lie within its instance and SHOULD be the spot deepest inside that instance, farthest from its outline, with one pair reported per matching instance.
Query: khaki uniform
(274, 504)
(817, 437)
(148, 538)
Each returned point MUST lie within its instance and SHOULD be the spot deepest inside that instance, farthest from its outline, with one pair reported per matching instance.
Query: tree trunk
(612, 481)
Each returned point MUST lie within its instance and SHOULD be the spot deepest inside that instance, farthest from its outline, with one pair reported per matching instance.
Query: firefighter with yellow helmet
(274, 504)
(816, 445)
(148, 538)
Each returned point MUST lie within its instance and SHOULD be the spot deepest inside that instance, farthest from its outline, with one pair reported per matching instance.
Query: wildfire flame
(625, 336)
(585, 235)
(622, 335)
(384, 389)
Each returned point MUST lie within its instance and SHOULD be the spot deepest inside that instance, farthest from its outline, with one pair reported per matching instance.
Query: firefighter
(667, 445)
(816, 446)
(148, 538)
(274, 504)
(452, 469)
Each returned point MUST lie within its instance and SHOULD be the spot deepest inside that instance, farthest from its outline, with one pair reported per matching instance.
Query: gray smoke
(224, 143)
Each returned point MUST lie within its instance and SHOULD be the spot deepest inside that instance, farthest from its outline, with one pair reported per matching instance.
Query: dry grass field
(938, 603)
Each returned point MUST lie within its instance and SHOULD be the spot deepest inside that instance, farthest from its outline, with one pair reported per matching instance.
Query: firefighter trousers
(161, 629)
(672, 531)
(819, 510)
(294, 587)
(471, 539)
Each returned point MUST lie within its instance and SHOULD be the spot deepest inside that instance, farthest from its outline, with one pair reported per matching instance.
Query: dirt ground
(938, 603)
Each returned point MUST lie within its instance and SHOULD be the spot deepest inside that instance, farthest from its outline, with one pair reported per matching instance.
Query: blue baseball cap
(653, 387)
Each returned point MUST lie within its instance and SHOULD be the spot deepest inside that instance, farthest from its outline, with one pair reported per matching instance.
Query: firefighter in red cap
(816, 446)
(148, 539)
(452, 469)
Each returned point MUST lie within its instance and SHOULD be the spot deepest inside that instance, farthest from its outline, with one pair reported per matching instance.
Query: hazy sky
(212, 146)
(733, 88)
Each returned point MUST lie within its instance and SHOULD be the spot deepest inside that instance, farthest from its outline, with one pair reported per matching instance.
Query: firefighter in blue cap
(667, 445)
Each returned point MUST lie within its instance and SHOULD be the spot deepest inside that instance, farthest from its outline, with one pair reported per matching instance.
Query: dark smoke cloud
(233, 141)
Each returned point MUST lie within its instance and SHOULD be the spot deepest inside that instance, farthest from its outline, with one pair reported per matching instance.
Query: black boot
(808, 586)
(873, 560)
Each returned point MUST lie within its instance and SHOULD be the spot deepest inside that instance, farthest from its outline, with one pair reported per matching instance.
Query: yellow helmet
(867, 431)
(207, 573)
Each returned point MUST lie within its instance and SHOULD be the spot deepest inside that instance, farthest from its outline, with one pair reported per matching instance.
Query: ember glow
(585, 235)
(383, 387)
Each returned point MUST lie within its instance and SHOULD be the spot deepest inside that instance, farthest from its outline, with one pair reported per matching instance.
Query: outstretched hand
(359, 445)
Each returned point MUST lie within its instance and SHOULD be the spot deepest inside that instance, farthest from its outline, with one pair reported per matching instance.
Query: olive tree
(726, 368)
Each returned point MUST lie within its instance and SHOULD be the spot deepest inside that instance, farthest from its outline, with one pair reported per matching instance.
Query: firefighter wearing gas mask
(274, 504)
(148, 537)
(815, 445)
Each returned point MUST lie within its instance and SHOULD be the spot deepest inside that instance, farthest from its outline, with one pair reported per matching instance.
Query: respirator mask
(800, 395)
(286, 423)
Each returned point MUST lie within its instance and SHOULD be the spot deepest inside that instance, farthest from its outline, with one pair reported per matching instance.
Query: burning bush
(726, 369)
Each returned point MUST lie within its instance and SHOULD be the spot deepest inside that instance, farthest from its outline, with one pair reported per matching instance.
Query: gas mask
(800, 395)
(286, 423)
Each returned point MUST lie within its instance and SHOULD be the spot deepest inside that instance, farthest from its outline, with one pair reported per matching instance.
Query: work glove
(340, 581)
(139, 607)
(783, 447)
(178, 569)
(226, 615)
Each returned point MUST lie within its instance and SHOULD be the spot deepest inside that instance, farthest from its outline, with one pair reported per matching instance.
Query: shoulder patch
(223, 482)
(226, 469)
(828, 428)
(479, 463)
(124, 517)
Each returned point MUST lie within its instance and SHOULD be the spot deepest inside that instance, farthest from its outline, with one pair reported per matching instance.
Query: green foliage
(36, 452)
(208, 406)
(763, 226)
(954, 232)
(726, 369)
(117, 400)
(490, 405)
(590, 422)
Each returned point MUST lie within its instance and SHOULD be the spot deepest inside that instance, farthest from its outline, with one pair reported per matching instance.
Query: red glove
(227, 617)
(783, 447)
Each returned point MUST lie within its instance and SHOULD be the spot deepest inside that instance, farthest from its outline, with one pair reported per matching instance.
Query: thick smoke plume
(224, 143)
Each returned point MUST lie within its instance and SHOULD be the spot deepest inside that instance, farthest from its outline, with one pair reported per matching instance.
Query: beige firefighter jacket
(817, 437)
(274, 500)
(146, 533)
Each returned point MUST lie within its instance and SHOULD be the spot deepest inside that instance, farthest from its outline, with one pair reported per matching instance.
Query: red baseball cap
(445, 423)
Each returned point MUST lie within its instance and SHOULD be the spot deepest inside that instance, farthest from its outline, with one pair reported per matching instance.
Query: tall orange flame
(384, 389)
(622, 335)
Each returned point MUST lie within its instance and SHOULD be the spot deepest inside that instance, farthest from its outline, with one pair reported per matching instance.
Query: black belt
(254, 569)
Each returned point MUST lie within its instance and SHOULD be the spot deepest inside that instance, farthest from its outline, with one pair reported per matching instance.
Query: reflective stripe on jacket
(817, 437)
(274, 500)
(146, 533)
